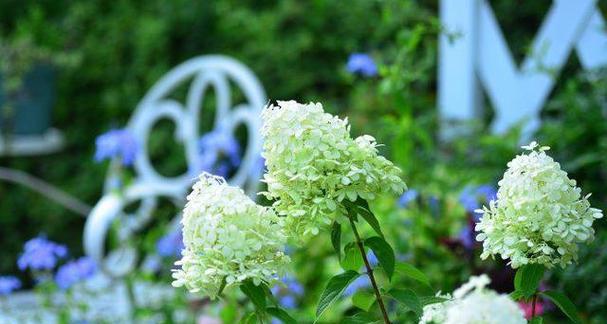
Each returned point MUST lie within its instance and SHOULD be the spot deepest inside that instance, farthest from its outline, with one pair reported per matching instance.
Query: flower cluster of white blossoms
(227, 237)
(539, 216)
(313, 165)
(473, 303)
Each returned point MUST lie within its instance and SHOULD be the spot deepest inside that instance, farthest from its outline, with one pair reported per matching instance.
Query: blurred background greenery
(299, 50)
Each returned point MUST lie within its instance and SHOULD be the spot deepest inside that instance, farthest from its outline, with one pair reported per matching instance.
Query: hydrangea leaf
(334, 289)
(527, 279)
(563, 302)
(384, 253)
(281, 314)
(407, 298)
(255, 293)
(363, 299)
(412, 272)
(336, 238)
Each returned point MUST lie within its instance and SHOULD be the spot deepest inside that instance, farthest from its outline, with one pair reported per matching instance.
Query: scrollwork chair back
(201, 73)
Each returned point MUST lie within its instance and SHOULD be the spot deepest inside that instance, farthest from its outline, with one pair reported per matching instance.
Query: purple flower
(40, 254)
(171, 244)
(361, 282)
(74, 272)
(363, 64)
(117, 143)
(219, 153)
(288, 293)
(8, 284)
(472, 197)
(407, 197)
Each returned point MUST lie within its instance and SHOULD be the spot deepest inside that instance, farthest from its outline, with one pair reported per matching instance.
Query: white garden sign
(479, 55)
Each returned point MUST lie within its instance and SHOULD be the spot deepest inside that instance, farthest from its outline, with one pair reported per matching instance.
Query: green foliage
(384, 253)
(335, 287)
(564, 304)
(527, 281)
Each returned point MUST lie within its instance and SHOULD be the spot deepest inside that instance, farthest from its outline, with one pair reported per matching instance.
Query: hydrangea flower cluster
(8, 284)
(40, 254)
(219, 153)
(227, 237)
(117, 143)
(473, 303)
(313, 165)
(539, 215)
(75, 271)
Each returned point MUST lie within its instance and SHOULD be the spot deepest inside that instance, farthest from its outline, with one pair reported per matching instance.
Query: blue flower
(219, 153)
(361, 282)
(466, 237)
(472, 197)
(372, 258)
(117, 143)
(407, 197)
(171, 244)
(40, 254)
(363, 64)
(8, 284)
(288, 293)
(74, 272)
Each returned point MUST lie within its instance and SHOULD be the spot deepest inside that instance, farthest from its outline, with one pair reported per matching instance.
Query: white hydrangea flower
(227, 236)
(313, 165)
(539, 216)
(472, 303)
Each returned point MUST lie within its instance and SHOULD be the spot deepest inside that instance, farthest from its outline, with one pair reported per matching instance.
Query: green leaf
(362, 318)
(536, 320)
(527, 279)
(334, 289)
(362, 208)
(407, 298)
(429, 300)
(281, 314)
(256, 294)
(249, 318)
(412, 272)
(336, 238)
(352, 259)
(363, 299)
(566, 306)
(384, 253)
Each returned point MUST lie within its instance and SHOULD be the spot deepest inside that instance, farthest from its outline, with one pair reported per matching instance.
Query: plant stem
(533, 305)
(380, 302)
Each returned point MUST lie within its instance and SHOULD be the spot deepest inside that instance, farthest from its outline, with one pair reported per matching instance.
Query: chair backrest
(201, 73)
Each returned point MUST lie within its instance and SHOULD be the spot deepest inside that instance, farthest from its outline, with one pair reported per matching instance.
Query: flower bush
(539, 216)
(228, 239)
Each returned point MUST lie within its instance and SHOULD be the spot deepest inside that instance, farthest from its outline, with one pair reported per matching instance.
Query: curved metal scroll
(213, 71)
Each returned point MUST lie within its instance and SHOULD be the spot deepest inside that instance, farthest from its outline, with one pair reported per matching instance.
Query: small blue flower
(8, 284)
(219, 153)
(466, 237)
(361, 282)
(41, 254)
(472, 197)
(288, 293)
(74, 272)
(117, 143)
(372, 258)
(363, 64)
(171, 244)
(407, 197)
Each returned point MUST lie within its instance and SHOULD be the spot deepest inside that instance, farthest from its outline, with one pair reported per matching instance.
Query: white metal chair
(201, 73)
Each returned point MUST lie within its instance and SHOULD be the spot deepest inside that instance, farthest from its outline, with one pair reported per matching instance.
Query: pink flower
(527, 308)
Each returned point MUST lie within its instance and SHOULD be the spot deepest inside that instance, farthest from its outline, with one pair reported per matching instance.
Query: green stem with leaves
(380, 301)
